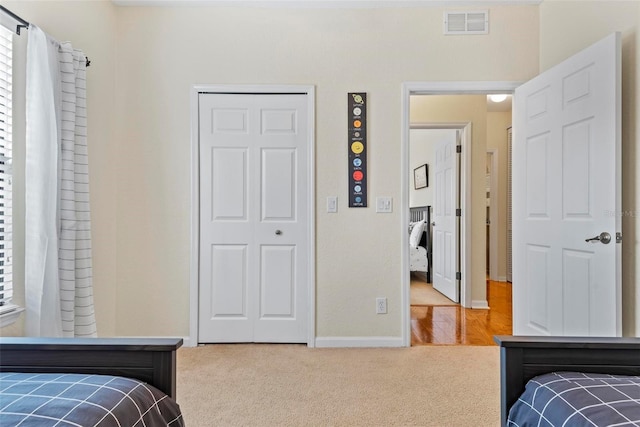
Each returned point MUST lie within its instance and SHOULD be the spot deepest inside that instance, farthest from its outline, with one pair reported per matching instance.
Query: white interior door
(254, 225)
(566, 189)
(445, 224)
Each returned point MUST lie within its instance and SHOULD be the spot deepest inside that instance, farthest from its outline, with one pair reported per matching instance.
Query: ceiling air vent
(476, 22)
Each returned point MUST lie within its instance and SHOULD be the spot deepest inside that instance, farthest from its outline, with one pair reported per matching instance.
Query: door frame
(196, 90)
(463, 138)
(440, 88)
(493, 215)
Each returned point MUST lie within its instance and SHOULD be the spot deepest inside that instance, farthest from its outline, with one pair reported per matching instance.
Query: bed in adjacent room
(420, 240)
(552, 381)
(88, 382)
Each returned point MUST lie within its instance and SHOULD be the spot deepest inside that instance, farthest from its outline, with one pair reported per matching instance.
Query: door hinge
(618, 237)
(458, 148)
(458, 275)
(458, 212)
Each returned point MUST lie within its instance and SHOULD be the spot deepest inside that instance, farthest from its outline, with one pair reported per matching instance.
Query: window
(6, 255)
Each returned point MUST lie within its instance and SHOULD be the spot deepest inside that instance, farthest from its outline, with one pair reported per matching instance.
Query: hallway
(454, 324)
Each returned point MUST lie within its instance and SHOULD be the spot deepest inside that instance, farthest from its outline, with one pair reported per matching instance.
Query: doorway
(491, 185)
(433, 149)
(252, 209)
(473, 294)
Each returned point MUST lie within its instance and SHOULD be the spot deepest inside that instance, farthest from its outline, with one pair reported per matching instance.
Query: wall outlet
(381, 305)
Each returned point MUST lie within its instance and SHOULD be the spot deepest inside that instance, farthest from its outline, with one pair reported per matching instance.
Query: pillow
(416, 234)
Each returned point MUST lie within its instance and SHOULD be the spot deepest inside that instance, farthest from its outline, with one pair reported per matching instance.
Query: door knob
(278, 232)
(433, 224)
(603, 237)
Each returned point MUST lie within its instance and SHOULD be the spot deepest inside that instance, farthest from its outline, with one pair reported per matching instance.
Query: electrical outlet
(381, 305)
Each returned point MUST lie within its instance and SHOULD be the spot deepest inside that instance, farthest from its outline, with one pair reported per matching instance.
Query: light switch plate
(384, 204)
(332, 204)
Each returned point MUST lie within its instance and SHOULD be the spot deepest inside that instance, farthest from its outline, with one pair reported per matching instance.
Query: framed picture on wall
(421, 176)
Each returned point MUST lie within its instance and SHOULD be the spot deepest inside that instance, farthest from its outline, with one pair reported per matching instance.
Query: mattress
(418, 259)
(578, 399)
(83, 400)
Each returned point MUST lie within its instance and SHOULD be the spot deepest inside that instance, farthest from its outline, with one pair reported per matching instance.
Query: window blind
(6, 273)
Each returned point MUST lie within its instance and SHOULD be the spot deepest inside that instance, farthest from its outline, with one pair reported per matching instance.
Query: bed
(420, 240)
(88, 382)
(578, 379)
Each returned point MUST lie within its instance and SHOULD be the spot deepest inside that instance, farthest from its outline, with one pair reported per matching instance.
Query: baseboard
(187, 342)
(480, 304)
(360, 342)
(344, 342)
(502, 278)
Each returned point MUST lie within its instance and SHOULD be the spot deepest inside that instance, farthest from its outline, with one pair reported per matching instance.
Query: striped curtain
(74, 239)
(58, 273)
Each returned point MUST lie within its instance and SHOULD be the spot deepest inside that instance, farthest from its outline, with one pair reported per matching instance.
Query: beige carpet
(292, 385)
(422, 293)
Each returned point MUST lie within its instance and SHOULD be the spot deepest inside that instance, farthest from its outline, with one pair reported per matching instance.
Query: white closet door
(254, 226)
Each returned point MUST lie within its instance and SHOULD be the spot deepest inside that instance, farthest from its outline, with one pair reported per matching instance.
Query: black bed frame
(522, 358)
(152, 360)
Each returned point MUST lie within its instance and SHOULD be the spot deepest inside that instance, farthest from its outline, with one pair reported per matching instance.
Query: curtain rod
(22, 23)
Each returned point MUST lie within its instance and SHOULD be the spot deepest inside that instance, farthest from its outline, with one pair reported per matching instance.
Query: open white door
(566, 189)
(445, 224)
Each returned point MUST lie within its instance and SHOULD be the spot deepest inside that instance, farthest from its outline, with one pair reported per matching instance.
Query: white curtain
(58, 273)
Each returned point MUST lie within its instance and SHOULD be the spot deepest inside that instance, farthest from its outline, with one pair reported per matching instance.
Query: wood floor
(457, 325)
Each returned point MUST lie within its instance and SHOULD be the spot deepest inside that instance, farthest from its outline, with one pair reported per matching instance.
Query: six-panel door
(253, 218)
(566, 190)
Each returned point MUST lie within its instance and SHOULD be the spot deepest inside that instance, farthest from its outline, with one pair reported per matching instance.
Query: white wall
(567, 27)
(372, 50)
(145, 61)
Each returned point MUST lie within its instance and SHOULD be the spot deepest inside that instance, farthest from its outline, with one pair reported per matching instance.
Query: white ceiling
(325, 3)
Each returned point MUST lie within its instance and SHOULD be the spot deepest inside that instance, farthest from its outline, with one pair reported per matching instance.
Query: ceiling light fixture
(498, 98)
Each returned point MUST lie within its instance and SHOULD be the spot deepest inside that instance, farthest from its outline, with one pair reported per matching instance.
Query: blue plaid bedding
(577, 399)
(83, 401)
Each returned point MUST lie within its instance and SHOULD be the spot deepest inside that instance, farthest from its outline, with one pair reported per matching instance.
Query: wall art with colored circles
(357, 148)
